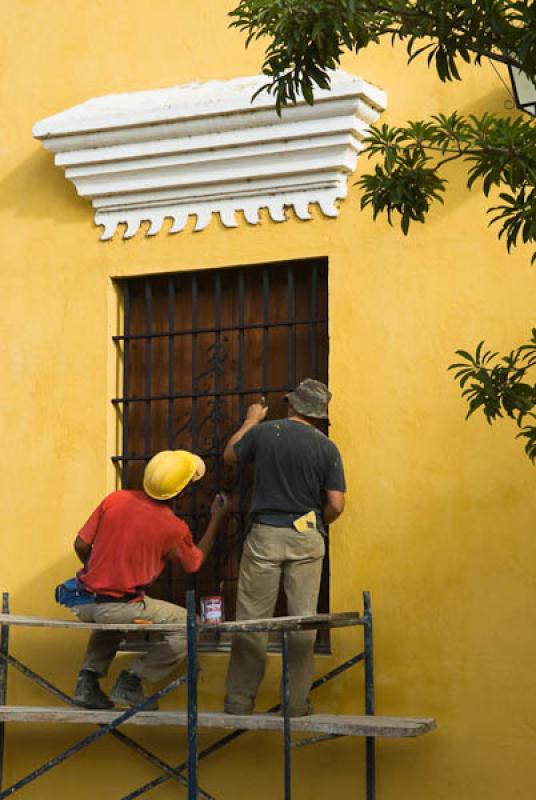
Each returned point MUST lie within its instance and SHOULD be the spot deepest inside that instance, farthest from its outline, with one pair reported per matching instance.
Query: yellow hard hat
(170, 471)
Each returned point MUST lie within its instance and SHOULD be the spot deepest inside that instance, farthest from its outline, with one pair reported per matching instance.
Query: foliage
(498, 385)
(306, 40)
(499, 151)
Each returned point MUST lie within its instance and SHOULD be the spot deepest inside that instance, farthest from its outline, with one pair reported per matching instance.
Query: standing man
(124, 546)
(299, 490)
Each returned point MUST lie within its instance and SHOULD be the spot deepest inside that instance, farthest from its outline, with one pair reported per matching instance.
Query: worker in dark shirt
(124, 545)
(299, 490)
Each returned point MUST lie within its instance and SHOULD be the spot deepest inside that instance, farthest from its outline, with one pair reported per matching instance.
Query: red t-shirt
(132, 536)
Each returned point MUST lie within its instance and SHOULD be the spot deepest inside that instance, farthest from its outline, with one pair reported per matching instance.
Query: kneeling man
(124, 546)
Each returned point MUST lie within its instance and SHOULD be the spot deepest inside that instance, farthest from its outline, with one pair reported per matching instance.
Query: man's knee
(85, 613)
(160, 611)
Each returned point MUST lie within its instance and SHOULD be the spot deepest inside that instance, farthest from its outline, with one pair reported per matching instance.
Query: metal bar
(217, 376)
(241, 352)
(171, 361)
(171, 297)
(286, 717)
(266, 311)
(194, 395)
(224, 329)
(126, 372)
(241, 402)
(370, 745)
(4, 652)
(148, 366)
(40, 681)
(191, 633)
(336, 671)
(157, 762)
(200, 517)
(43, 683)
(230, 737)
(87, 740)
(369, 656)
(218, 416)
(145, 456)
(314, 321)
(291, 312)
(322, 737)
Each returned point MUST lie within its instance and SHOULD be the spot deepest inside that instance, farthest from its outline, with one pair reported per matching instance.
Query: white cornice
(202, 148)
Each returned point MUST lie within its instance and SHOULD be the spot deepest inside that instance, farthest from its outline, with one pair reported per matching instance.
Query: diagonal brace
(322, 737)
(75, 748)
(159, 763)
(230, 737)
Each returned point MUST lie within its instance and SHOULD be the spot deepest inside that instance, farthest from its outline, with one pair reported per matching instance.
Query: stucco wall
(439, 522)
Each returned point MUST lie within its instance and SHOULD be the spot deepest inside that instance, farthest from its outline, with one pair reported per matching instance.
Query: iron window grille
(196, 349)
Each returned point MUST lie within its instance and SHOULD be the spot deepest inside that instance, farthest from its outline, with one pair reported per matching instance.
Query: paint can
(212, 609)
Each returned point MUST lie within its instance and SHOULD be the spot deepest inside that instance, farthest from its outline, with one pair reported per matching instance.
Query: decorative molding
(202, 148)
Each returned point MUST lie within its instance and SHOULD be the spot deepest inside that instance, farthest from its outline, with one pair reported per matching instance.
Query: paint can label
(212, 609)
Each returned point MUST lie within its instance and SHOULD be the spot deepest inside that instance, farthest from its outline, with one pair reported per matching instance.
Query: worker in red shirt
(124, 546)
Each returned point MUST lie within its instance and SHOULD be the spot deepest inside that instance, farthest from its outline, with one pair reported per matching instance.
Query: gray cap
(310, 398)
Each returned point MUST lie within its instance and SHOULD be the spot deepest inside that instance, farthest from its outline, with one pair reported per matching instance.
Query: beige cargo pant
(270, 552)
(165, 650)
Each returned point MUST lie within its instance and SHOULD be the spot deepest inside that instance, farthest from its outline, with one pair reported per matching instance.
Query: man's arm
(218, 510)
(82, 549)
(255, 414)
(86, 535)
(334, 506)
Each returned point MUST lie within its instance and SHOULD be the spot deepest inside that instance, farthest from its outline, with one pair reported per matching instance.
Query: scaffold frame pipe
(327, 727)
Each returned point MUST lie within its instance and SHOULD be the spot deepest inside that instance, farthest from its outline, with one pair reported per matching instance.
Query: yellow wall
(440, 516)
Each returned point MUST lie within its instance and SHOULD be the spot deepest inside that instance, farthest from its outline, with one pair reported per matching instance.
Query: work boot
(88, 693)
(301, 711)
(238, 710)
(128, 691)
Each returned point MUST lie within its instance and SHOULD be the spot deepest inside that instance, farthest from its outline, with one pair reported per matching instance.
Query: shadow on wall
(37, 188)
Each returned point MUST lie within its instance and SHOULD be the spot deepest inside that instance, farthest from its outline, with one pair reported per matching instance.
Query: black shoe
(88, 693)
(302, 711)
(128, 691)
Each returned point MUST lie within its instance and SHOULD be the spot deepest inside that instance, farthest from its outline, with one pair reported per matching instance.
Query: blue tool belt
(72, 593)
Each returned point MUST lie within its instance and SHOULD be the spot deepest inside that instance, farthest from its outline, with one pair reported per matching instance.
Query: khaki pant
(166, 650)
(270, 552)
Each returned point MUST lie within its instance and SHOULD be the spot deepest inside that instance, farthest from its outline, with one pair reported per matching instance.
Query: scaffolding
(315, 728)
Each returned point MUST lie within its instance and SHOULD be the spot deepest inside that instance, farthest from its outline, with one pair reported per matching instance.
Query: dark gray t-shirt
(295, 464)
